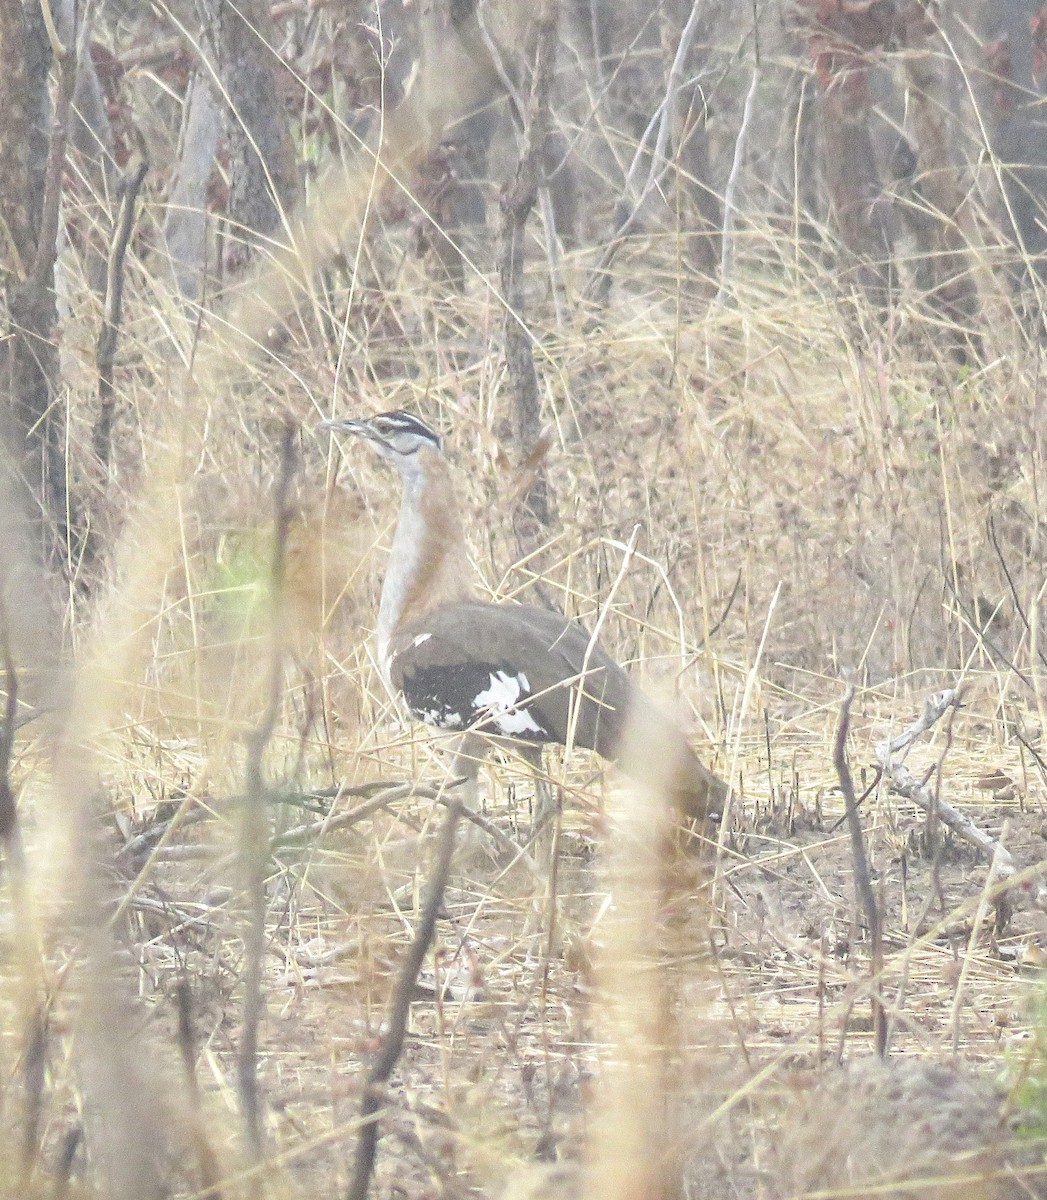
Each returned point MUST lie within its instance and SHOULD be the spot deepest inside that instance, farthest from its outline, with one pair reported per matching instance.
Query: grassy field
(790, 495)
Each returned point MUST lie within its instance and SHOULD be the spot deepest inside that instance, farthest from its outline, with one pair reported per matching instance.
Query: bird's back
(512, 670)
(519, 671)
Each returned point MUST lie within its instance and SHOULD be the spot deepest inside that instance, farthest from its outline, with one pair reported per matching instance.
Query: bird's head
(398, 436)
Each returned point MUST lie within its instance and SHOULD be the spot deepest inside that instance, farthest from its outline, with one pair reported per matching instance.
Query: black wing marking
(492, 698)
(511, 670)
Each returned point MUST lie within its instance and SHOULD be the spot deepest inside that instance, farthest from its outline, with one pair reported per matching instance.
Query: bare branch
(906, 784)
(42, 271)
(534, 511)
(730, 207)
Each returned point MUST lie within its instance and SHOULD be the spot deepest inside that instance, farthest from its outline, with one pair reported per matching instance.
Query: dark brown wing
(517, 671)
(512, 670)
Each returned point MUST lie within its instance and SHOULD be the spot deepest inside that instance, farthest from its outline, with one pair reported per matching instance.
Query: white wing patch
(499, 703)
(440, 718)
(422, 637)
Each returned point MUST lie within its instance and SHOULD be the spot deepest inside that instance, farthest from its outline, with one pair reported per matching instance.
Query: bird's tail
(655, 752)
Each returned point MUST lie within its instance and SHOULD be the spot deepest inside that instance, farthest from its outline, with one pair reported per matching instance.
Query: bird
(496, 672)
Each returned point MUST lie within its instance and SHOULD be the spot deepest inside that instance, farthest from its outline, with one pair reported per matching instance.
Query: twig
(387, 795)
(400, 1007)
(1036, 755)
(862, 882)
(715, 628)
(980, 630)
(254, 824)
(114, 298)
(877, 776)
(906, 784)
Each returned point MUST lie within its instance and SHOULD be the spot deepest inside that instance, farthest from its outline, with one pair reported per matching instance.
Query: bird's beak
(351, 425)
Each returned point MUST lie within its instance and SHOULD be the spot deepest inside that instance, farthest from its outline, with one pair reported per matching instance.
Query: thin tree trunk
(186, 223)
(93, 170)
(699, 210)
(1014, 94)
(844, 41)
(534, 511)
(31, 161)
(945, 248)
(855, 190)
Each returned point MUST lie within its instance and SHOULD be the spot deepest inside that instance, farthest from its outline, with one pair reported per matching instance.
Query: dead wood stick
(905, 783)
(400, 1008)
(392, 795)
(253, 845)
(862, 882)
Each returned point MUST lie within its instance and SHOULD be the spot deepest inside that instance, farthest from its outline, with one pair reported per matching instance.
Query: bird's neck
(428, 564)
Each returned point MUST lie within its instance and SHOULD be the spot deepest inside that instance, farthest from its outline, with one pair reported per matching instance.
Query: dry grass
(811, 493)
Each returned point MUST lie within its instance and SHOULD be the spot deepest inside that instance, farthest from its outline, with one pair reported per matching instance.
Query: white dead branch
(906, 784)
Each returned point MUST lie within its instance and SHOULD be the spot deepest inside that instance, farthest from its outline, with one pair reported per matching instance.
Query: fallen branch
(392, 794)
(905, 783)
(374, 796)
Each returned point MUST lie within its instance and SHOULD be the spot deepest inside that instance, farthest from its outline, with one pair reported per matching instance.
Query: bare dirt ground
(766, 968)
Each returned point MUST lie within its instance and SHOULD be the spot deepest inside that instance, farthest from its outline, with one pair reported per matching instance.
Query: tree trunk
(699, 210)
(844, 41)
(944, 245)
(34, 425)
(861, 213)
(263, 178)
(1016, 36)
(186, 223)
(534, 511)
